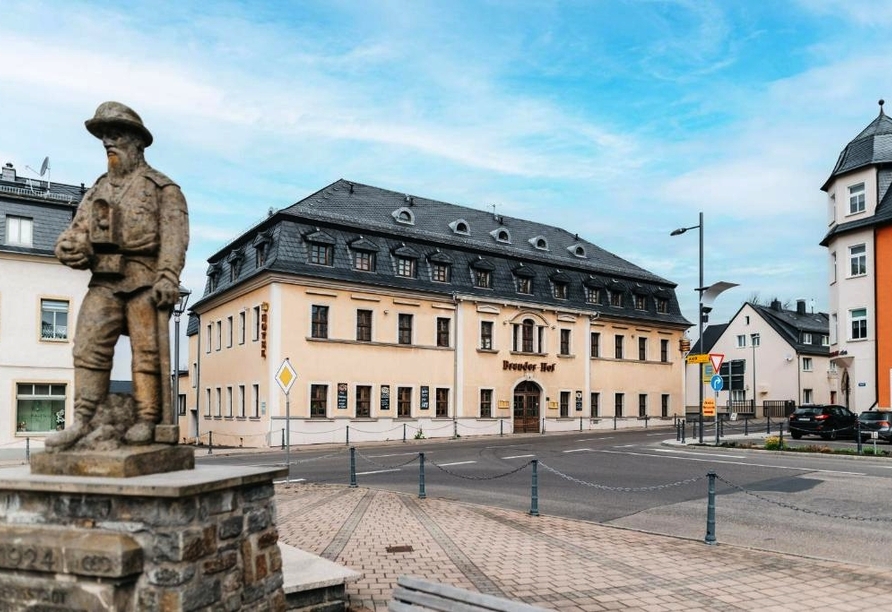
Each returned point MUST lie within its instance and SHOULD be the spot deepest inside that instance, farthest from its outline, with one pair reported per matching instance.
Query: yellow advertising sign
(709, 406)
(695, 359)
(707, 373)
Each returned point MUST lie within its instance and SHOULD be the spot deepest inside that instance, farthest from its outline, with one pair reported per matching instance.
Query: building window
(443, 325)
(525, 285)
(405, 266)
(209, 342)
(807, 396)
(320, 254)
(255, 334)
(526, 335)
(363, 261)
(616, 298)
(440, 272)
(260, 256)
(19, 231)
(404, 329)
(54, 320)
(595, 401)
(229, 402)
(642, 349)
(741, 341)
(618, 404)
(318, 401)
(229, 332)
(219, 335)
(486, 335)
(319, 327)
(241, 327)
(565, 404)
(207, 402)
(664, 351)
(858, 260)
(664, 405)
(806, 338)
(806, 364)
(858, 317)
(642, 405)
(596, 344)
(592, 295)
(565, 342)
(255, 392)
(856, 198)
(363, 401)
(825, 340)
(482, 279)
(640, 302)
(662, 305)
(218, 408)
(364, 325)
(833, 267)
(485, 403)
(561, 290)
(441, 400)
(241, 401)
(404, 402)
(40, 407)
(618, 346)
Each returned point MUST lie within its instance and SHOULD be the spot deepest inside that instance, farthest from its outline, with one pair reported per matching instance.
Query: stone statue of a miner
(131, 230)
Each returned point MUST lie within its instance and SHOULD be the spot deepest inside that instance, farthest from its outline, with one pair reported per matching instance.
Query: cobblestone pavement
(553, 562)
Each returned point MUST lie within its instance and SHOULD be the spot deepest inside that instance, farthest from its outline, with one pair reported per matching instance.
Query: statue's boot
(147, 394)
(90, 386)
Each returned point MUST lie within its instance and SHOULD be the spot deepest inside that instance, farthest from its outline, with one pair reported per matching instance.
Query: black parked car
(829, 422)
(879, 421)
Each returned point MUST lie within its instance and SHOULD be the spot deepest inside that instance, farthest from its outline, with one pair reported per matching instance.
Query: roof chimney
(800, 306)
(8, 173)
(776, 305)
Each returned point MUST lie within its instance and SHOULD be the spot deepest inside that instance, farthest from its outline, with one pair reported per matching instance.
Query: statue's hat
(121, 115)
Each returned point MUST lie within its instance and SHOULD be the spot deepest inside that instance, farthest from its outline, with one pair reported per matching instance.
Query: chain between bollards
(352, 467)
(421, 492)
(534, 496)
(710, 508)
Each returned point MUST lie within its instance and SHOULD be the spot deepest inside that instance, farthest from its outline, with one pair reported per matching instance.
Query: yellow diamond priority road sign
(286, 376)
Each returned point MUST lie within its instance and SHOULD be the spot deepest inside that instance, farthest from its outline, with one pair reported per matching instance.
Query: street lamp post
(178, 309)
(754, 341)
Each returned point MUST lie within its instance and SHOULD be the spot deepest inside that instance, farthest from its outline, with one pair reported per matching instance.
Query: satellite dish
(45, 165)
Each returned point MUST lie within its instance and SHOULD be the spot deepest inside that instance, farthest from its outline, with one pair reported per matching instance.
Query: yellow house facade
(407, 317)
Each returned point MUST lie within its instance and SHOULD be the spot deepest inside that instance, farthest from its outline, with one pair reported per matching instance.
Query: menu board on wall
(385, 397)
(425, 397)
(579, 400)
(342, 396)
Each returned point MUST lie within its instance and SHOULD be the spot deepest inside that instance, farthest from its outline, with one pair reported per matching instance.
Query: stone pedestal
(120, 463)
(202, 539)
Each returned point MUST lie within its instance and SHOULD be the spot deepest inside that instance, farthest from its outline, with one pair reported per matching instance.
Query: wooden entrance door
(526, 407)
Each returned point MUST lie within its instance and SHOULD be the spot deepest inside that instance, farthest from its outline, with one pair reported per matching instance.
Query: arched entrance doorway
(526, 407)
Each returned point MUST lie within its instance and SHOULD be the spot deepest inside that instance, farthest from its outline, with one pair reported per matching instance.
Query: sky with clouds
(619, 120)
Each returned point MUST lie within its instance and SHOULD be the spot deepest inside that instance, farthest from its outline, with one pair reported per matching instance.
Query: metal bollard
(646, 419)
(283, 438)
(421, 493)
(543, 425)
(781, 435)
(677, 433)
(28, 449)
(746, 426)
(501, 427)
(682, 431)
(534, 497)
(404, 432)
(710, 509)
(454, 429)
(348, 435)
(858, 435)
(241, 442)
(580, 423)
(768, 425)
(352, 467)
(210, 443)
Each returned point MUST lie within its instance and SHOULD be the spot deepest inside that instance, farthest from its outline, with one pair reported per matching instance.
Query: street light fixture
(178, 309)
(706, 295)
(754, 342)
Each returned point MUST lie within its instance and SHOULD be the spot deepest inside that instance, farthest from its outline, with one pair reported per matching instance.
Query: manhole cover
(400, 548)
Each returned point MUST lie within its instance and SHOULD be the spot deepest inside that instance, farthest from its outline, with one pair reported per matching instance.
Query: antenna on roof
(44, 168)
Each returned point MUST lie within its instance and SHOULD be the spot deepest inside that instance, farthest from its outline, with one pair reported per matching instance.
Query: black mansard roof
(350, 217)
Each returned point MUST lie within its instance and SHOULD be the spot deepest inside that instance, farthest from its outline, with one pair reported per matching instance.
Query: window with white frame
(857, 260)
(485, 403)
(241, 327)
(807, 364)
(825, 340)
(808, 396)
(53, 319)
(858, 317)
(486, 335)
(741, 341)
(833, 267)
(255, 404)
(806, 338)
(834, 328)
(19, 231)
(241, 401)
(856, 198)
(40, 407)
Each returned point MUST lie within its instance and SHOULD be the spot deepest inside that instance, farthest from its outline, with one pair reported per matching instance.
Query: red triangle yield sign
(716, 359)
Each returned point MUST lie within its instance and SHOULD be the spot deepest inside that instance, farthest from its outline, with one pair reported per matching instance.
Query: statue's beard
(120, 165)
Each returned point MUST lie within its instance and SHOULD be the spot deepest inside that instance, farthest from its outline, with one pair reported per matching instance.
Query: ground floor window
(363, 401)
(595, 399)
(442, 403)
(485, 403)
(565, 404)
(618, 404)
(404, 402)
(642, 405)
(664, 405)
(318, 401)
(40, 407)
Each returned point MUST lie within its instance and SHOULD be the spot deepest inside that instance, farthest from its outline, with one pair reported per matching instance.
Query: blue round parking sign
(716, 382)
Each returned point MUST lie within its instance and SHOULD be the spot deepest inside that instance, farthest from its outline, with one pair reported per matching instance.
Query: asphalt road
(817, 505)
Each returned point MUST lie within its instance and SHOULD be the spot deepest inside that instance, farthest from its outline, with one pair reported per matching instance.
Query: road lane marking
(670, 450)
(777, 467)
(578, 450)
(395, 455)
(518, 456)
(377, 472)
(624, 445)
(455, 463)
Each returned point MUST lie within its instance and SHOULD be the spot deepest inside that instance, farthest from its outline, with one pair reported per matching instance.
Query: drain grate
(400, 548)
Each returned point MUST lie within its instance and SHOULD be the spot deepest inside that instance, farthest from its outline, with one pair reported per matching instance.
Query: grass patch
(775, 443)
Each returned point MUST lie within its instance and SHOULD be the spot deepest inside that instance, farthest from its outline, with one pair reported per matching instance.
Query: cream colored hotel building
(402, 314)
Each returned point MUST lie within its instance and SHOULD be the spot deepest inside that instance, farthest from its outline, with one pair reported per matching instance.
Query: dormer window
(616, 297)
(320, 248)
(640, 301)
(540, 243)
(363, 254)
(404, 215)
(561, 290)
(405, 266)
(441, 267)
(577, 250)
(235, 264)
(662, 305)
(213, 274)
(461, 226)
(593, 295)
(260, 244)
(501, 235)
(481, 273)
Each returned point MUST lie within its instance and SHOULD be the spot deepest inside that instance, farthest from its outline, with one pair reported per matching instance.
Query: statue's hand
(165, 292)
(74, 253)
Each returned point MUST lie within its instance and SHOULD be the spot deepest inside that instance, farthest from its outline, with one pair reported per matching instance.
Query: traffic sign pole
(286, 377)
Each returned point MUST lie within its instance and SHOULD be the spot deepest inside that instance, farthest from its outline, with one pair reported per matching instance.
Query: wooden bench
(414, 595)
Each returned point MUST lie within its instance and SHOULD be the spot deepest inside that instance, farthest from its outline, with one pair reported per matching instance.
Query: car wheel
(796, 436)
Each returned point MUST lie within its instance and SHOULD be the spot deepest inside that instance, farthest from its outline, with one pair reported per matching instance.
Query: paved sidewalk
(554, 562)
